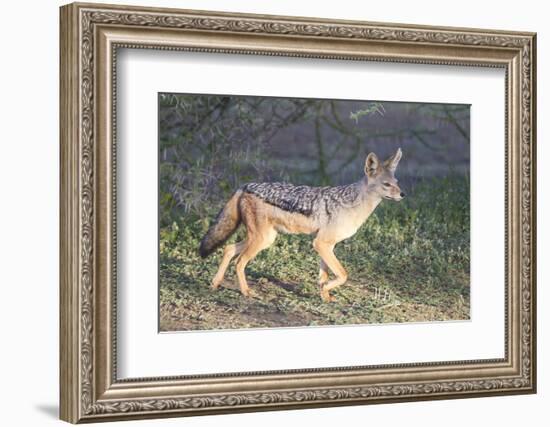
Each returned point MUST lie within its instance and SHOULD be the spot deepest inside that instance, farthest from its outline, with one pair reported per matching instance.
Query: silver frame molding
(90, 37)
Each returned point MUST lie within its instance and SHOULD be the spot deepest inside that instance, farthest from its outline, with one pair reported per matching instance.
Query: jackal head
(381, 178)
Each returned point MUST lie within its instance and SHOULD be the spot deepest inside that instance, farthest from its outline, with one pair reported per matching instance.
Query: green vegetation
(409, 262)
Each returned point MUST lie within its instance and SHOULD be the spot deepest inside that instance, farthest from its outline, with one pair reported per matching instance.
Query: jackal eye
(387, 184)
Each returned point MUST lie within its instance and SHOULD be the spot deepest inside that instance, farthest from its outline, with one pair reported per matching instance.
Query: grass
(409, 262)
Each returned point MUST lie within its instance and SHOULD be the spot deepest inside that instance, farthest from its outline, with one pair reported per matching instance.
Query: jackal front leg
(325, 251)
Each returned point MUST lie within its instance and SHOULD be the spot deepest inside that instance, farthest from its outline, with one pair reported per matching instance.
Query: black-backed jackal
(330, 214)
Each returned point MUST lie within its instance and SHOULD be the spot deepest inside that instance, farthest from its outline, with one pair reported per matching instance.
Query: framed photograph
(266, 212)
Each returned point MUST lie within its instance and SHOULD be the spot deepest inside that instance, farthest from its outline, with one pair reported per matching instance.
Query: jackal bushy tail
(225, 225)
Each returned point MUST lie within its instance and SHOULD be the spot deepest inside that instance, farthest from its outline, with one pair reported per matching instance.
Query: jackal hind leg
(323, 273)
(325, 251)
(229, 252)
(255, 243)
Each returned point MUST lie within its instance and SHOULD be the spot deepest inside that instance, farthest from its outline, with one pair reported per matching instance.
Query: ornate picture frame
(90, 37)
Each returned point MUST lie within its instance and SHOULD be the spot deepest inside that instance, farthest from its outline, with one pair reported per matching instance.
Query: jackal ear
(393, 161)
(371, 165)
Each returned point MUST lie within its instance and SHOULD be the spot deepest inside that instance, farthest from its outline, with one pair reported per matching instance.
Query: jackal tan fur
(329, 214)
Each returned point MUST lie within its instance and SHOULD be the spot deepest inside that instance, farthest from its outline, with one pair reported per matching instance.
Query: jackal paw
(249, 293)
(216, 283)
(327, 297)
